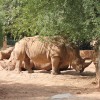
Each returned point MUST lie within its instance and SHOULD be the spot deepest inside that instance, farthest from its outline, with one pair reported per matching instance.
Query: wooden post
(5, 42)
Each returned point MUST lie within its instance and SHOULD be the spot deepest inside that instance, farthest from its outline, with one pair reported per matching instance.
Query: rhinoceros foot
(55, 72)
(30, 71)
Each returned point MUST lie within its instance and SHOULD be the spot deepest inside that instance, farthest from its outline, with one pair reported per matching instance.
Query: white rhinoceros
(46, 54)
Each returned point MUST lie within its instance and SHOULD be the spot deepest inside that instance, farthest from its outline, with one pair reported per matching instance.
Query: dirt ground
(41, 85)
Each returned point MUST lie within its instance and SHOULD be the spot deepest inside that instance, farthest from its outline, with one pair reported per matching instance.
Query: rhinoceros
(5, 54)
(47, 55)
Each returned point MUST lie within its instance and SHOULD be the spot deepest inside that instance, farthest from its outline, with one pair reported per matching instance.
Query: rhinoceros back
(41, 51)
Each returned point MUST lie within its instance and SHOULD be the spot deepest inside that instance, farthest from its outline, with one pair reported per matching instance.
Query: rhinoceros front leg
(55, 65)
(18, 66)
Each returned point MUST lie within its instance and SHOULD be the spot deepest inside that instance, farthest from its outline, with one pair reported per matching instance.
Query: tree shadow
(74, 73)
(88, 73)
(20, 91)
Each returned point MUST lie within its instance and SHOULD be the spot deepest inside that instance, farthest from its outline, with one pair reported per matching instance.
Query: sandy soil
(41, 85)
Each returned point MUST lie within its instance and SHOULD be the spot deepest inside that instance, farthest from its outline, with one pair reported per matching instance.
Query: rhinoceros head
(85, 64)
(80, 64)
(77, 65)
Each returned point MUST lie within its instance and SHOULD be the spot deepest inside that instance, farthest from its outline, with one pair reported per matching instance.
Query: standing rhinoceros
(47, 54)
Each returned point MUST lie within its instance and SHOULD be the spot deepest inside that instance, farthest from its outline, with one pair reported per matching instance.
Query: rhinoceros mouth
(82, 70)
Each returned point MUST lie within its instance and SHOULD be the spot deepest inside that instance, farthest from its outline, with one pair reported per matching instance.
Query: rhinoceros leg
(28, 65)
(18, 66)
(55, 65)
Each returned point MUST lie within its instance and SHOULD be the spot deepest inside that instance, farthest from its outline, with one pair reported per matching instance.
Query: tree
(79, 20)
(92, 17)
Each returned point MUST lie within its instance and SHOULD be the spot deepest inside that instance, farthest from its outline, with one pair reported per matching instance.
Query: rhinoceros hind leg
(28, 65)
(55, 65)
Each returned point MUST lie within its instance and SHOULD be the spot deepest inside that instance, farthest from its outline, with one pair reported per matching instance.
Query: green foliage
(79, 20)
(0, 34)
(92, 17)
(55, 17)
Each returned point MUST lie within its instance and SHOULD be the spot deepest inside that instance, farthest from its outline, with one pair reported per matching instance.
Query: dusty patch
(41, 85)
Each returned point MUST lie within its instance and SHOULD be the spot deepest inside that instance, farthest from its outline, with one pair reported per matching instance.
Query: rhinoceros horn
(85, 64)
